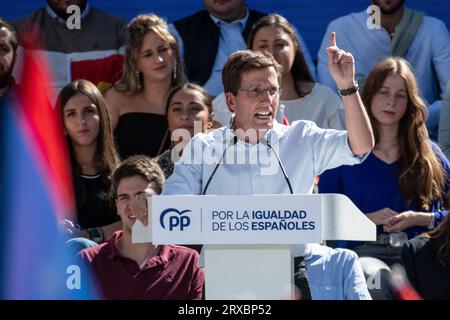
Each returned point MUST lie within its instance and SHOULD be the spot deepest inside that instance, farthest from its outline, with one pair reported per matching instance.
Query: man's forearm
(360, 134)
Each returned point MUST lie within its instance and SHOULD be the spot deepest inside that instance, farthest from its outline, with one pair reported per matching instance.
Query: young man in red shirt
(142, 271)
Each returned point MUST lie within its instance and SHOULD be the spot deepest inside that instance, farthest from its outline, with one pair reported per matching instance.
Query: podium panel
(253, 219)
(248, 239)
(248, 272)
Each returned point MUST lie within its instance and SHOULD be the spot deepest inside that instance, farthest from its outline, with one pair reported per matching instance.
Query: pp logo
(176, 219)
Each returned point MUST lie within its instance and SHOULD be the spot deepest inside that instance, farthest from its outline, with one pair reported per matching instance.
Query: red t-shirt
(172, 274)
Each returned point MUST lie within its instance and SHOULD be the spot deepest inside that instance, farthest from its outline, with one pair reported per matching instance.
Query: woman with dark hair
(401, 185)
(93, 157)
(301, 98)
(152, 67)
(427, 262)
(189, 111)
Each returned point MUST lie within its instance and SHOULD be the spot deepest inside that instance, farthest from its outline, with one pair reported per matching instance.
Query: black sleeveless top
(142, 133)
(94, 208)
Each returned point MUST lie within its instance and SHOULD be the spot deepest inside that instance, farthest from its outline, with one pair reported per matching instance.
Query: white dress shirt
(305, 151)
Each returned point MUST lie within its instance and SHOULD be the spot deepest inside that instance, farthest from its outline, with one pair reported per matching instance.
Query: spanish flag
(35, 193)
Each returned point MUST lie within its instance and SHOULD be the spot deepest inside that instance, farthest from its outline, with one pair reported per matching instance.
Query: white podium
(250, 241)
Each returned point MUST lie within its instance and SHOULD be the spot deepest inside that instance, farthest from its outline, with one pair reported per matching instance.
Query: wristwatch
(349, 91)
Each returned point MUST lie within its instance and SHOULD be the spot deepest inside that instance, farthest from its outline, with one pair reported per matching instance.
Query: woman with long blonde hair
(137, 101)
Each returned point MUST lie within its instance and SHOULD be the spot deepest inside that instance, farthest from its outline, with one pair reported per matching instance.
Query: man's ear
(230, 99)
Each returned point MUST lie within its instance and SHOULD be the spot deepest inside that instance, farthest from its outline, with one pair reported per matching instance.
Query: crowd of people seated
(368, 121)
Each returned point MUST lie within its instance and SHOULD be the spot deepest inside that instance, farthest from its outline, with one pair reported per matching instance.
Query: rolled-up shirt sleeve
(331, 149)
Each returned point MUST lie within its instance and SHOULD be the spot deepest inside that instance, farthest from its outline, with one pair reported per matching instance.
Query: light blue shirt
(335, 274)
(429, 55)
(231, 40)
(305, 151)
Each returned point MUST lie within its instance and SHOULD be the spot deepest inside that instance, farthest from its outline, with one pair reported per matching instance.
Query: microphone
(263, 141)
(232, 143)
(266, 142)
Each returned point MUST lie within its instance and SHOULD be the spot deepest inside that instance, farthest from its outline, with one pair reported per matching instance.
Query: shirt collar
(111, 246)
(57, 18)
(163, 256)
(241, 22)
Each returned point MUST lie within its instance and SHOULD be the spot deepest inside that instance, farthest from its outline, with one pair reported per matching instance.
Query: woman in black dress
(137, 101)
(93, 156)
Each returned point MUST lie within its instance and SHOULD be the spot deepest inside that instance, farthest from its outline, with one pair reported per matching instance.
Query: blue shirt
(230, 41)
(372, 186)
(428, 54)
(335, 274)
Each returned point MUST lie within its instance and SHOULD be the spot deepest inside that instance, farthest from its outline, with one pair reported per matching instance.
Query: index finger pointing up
(332, 39)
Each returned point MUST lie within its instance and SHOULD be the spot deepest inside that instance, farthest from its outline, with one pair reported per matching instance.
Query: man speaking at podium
(258, 155)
